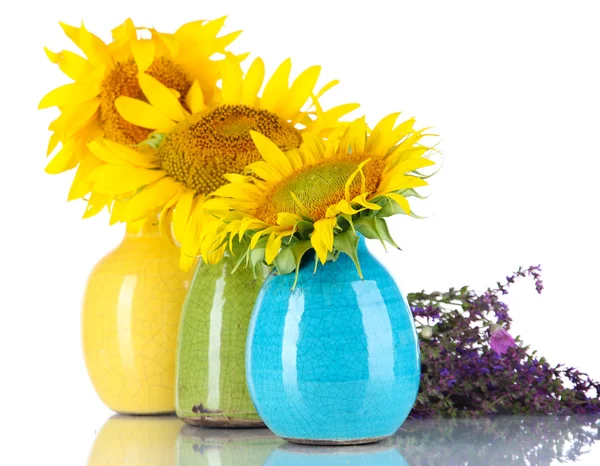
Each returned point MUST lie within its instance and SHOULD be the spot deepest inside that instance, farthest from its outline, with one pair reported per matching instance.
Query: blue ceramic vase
(336, 360)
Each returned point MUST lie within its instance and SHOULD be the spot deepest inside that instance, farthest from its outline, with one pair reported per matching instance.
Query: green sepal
(298, 250)
(257, 257)
(375, 228)
(410, 192)
(153, 141)
(347, 218)
(388, 209)
(347, 243)
(304, 229)
(285, 261)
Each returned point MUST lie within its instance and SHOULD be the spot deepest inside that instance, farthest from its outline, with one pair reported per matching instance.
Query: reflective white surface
(502, 440)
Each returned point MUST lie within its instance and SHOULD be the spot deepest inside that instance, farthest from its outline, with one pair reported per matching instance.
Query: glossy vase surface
(336, 360)
(211, 380)
(130, 323)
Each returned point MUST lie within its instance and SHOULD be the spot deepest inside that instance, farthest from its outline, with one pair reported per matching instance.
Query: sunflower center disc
(122, 81)
(199, 152)
(320, 186)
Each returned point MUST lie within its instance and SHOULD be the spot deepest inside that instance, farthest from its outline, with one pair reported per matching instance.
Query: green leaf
(347, 243)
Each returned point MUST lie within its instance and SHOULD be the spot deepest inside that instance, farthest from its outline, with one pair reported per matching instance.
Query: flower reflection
(136, 441)
(500, 440)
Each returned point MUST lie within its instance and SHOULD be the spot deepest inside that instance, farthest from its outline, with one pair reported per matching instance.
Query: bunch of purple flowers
(472, 366)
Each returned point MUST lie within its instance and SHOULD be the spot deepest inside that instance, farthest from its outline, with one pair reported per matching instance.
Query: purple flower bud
(501, 340)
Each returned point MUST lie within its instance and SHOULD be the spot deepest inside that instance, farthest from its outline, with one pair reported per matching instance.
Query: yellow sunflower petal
(96, 204)
(142, 114)
(273, 247)
(152, 198)
(322, 237)
(195, 98)
(143, 53)
(353, 176)
(287, 219)
(300, 91)
(342, 207)
(119, 179)
(81, 185)
(399, 181)
(64, 160)
(73, 65)
(69, 94)
(272, 154)
(382, 137)
(161, 97)
(132, 156)
(253, 82)
(182, 213)
(231, 91)
(327, 87)
(95, 50)
(72, 32)
(361, 199)
(354, 139)
(400, 200)
(277, 89)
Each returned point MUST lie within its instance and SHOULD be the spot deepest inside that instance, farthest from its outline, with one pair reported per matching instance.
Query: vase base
(227, 423)
(148, 413)
(360, 441)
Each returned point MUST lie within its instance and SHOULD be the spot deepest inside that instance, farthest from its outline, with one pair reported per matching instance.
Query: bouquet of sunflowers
(176, 129)
(158, 126)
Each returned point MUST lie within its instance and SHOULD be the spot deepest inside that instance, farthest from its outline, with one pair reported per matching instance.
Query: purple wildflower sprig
(471, 365)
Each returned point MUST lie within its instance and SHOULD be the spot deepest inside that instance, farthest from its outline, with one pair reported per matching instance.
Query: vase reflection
(378, 454)
(136, 441)
(199, 446)
(491, 441)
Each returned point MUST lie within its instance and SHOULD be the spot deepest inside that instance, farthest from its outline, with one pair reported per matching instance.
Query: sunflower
(181, 61)
(319, 196)
(195, 143)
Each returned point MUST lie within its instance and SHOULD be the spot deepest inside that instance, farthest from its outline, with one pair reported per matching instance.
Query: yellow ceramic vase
(130, 323)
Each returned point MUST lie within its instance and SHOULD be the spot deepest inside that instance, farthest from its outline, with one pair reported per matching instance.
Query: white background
(513, 88)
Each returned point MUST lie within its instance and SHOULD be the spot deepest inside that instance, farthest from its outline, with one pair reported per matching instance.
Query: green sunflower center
(320, 186)
(123, 81)
(199, 152)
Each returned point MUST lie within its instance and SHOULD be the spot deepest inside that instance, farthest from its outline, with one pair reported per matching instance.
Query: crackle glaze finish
(211, 381)
(130, 322)
(337, 359)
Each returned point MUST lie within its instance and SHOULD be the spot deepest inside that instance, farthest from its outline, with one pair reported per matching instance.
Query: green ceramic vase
(211, 381)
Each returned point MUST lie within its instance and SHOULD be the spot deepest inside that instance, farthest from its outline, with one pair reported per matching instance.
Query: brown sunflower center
(122, 81)
(198, 153)
(320, 186)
